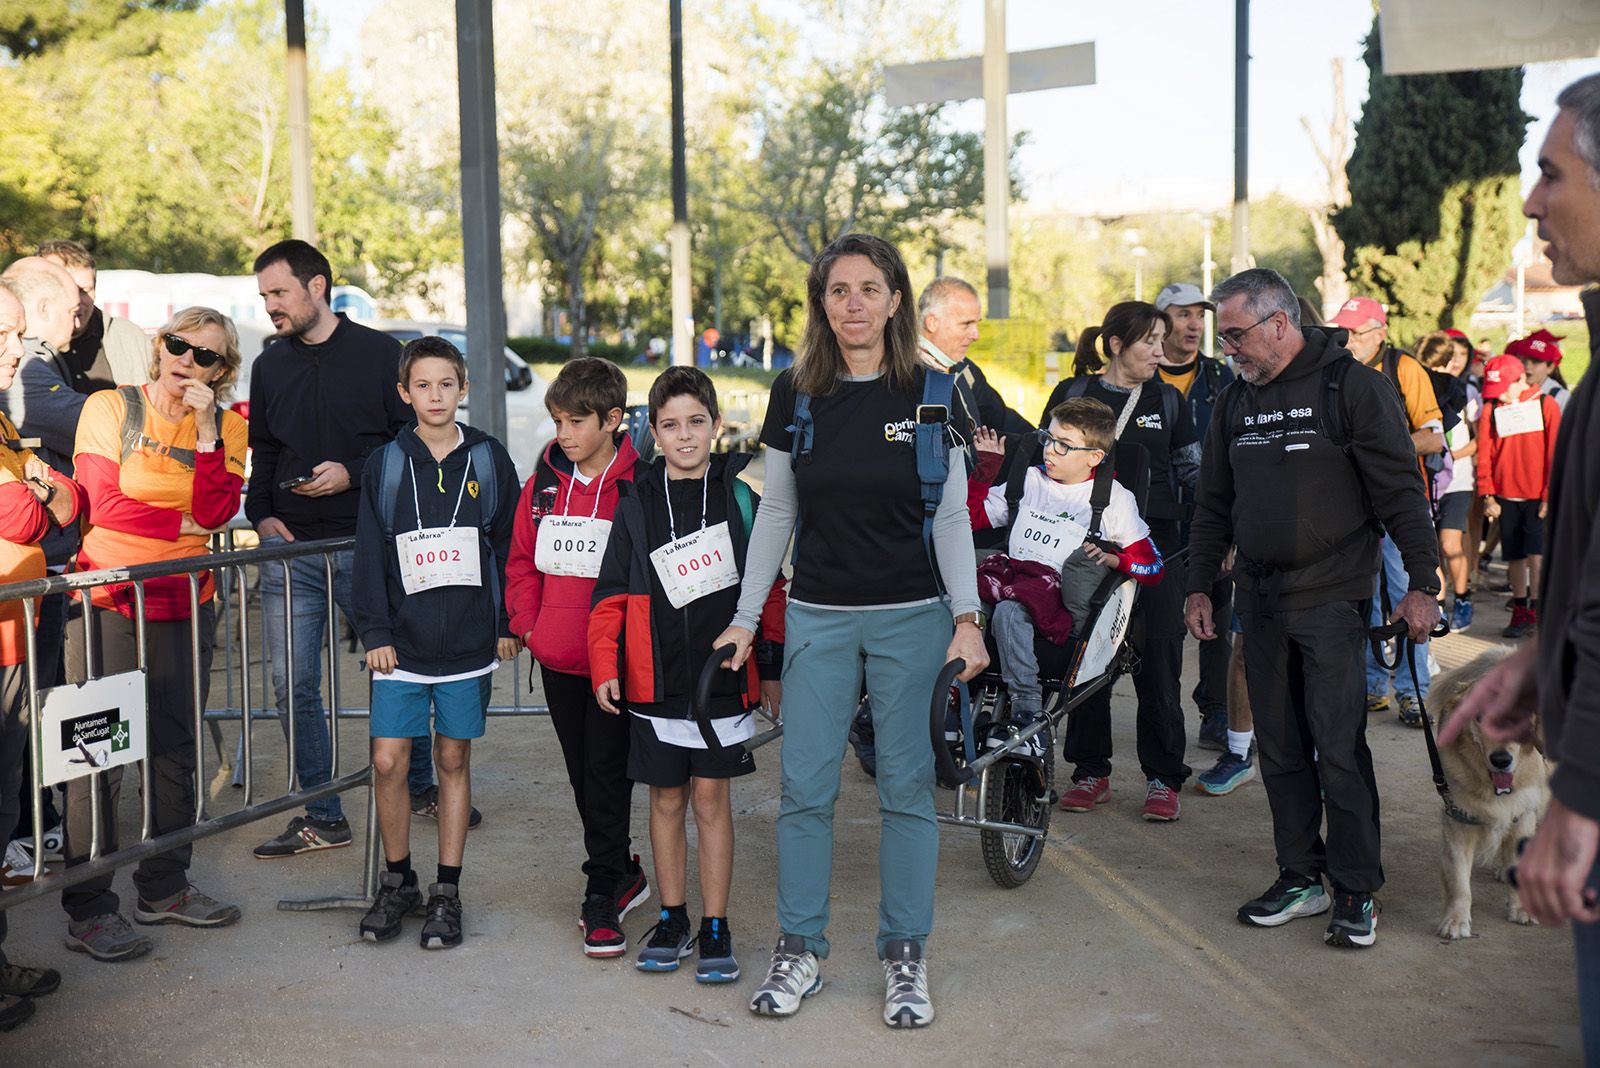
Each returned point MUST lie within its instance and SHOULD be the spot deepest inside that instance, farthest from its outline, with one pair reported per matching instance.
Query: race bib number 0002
(1047, 539)
(571, 545)
(696, 565)
(438, 556)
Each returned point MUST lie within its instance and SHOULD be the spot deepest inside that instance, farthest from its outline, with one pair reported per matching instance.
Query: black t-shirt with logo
(859, 537)
(1148, 427)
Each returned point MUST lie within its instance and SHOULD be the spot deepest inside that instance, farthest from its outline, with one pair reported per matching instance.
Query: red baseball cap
(1356, 312)
(1453, 332)
(1534, 347)
(1498, 375)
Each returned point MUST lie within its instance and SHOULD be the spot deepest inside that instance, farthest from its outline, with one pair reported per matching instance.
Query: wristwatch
(975, 618)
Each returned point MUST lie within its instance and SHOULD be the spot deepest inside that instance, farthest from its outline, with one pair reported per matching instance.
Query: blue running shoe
(669, 943)
(1230, 772)
(1461, 617)
(717, 964)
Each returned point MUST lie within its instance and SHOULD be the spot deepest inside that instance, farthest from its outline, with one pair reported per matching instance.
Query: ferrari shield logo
(472, 488)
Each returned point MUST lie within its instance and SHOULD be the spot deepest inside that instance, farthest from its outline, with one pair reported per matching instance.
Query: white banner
(92, 726)
(1433, 36)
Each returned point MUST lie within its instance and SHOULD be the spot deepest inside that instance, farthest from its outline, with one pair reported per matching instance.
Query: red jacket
(1517, 467)
(551, 612)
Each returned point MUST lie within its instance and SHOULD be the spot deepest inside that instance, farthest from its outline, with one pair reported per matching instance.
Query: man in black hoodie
(322, 400)
(1308, 451)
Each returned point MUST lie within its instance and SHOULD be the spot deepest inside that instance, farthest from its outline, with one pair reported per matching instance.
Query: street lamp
(1139, 253)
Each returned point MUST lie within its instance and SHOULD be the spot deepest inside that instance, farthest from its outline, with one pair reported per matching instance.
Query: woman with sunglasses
(1116, 364)
(163, 465)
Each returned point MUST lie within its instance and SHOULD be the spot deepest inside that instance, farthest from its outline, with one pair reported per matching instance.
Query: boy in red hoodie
(562, 524)
(1516, 444)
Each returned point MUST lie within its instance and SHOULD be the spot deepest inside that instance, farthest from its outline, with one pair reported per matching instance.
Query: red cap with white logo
(1499, 374)
(1357, 312)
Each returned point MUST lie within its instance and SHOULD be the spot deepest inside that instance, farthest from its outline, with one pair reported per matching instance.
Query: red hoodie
(551, 612)
(1518, 467)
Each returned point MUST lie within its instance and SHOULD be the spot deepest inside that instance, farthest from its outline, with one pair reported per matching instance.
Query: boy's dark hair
(430, 347)
(1093, 419)
(682, 382)
(70, 253)
(588, 386)
(304, 261)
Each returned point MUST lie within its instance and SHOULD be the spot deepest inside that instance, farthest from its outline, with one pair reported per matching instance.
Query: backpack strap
(480, 462)
(1100, 495)
(133, 436)
(389, 468)
(933, 454)
(746, 504)
(803, 430)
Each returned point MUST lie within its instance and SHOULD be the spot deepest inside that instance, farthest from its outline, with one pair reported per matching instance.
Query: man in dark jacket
(1299, 454)
(1557, 671)
(322, 401)
(948, 314)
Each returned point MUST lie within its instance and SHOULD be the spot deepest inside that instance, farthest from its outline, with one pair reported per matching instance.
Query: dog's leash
(1400, 632)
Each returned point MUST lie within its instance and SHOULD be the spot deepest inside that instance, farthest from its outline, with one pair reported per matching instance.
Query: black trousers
(1211, 691)
(595, 745)
(171, 740)
(13, 744)
(1157, 631)
(1306, 669)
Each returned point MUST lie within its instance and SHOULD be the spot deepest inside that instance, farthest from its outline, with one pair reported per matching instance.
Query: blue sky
(1156, 131)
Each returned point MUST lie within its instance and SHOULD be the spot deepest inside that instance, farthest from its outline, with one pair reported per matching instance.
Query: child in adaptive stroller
(1066, 526)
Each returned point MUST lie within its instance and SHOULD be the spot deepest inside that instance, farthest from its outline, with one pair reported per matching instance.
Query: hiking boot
(1214, 731)
(14, 1011)
(1087, 792)
(602, 928)
(1461, 615)
(20, 982)
(1230, 772)
(189, 907)
(1291, 896)
(1377, 702)
(305, 835)
(635, 889)
(442, 928)
(716, 963)
(1523, 622)
(426, 805)
(1161, 803)
(794, 975)
(16, 869)
(905, 976)
(1355, 920)
(670, 941)
(1410, 712)
(390, 906)
(106, 937)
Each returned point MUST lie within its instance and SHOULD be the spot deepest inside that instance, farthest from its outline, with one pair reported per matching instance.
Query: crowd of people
(1307, 483)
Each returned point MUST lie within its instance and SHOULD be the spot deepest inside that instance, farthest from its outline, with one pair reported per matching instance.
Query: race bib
(1524, 417)
(697, 564)
(571, 545)
(438, 556)
(1047, 539)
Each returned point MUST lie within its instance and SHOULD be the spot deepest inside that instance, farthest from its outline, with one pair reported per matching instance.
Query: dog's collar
(1456, 812)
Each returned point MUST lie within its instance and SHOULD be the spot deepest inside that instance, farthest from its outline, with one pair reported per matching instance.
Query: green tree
(1434, 190)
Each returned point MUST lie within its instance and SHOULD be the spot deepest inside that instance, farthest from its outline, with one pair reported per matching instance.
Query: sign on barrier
(92, 726)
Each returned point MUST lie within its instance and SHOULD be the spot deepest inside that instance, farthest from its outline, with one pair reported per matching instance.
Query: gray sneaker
(795, 975)
(106, 937)
(905, 997)
(304, 835)
(189, 907)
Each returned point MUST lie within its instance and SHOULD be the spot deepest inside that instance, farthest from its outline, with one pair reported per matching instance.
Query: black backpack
(1449, 392)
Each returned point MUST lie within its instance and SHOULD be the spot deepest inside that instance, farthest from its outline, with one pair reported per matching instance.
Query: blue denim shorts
(400, 709)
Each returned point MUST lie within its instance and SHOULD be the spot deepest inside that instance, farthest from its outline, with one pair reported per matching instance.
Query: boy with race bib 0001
(432, 539)
(562, 525)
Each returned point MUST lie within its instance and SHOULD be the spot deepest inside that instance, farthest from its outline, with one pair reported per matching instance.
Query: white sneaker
(795, 974)
(905, 997)
(54, 839)
(16, 869)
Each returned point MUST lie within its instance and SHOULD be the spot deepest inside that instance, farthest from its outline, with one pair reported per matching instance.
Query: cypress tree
(1434, 191)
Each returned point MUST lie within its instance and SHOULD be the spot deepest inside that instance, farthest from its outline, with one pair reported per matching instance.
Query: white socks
(1239, 742)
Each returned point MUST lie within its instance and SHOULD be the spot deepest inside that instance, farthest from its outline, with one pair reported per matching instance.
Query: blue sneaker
(717, 964)
(670, 941)
(1230, 772)
(1214, 731)
(1461, 617)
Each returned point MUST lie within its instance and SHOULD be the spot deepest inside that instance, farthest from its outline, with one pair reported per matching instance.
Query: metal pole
(480, 217)
(304, 218)
(996, 168)
(1207, 266)
(678, 238)
(1241, 137)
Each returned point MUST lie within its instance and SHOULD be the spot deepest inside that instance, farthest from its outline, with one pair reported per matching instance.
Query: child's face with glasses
(1067, 459)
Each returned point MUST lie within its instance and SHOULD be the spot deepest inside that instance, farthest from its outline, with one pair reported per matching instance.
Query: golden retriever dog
(1497, 795)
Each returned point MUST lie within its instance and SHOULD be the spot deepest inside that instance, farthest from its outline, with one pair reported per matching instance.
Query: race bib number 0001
(571, 545)
(696, 565)
(1047, 539)
(438, 556)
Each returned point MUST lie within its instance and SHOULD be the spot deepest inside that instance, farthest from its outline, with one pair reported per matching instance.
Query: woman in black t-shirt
(1128, 346)
(865, 597)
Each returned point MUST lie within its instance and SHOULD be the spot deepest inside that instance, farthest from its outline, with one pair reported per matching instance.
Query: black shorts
(656, 763)
(1521, 529)
(1453, 509)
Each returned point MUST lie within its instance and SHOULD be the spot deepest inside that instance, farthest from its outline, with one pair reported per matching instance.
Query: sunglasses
(202, 356)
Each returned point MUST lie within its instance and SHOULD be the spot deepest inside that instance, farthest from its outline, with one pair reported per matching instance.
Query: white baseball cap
(1181, 294)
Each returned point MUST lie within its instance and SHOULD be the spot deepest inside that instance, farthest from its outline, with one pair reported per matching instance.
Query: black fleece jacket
(310, 403)
(1272, 483)
(451, 629)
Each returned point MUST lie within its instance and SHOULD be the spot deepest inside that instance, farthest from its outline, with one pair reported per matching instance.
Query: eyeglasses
(1050, 441)
(1230, 339)
(202, 356)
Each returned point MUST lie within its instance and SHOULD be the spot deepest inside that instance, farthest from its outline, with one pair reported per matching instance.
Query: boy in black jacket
(668, 584)
(431, 545)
